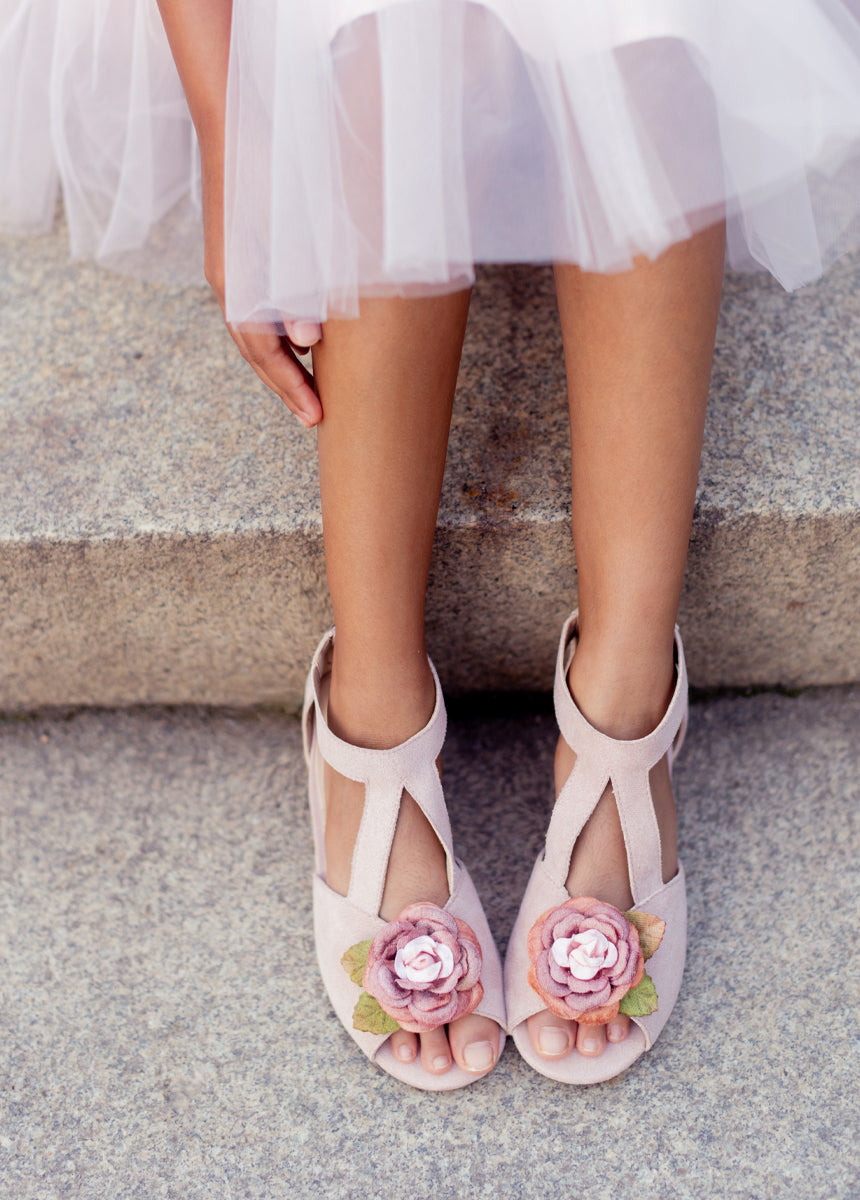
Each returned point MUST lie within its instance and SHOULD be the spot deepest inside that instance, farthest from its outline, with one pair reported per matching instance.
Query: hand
(273, 352)
(199, 36)
(273, 355)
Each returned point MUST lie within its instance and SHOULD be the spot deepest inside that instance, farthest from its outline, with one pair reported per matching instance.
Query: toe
(551, 1036)
(474, 1043)
(618, 1028)
(404, 1046)
(435, 1052)
(591, 1040)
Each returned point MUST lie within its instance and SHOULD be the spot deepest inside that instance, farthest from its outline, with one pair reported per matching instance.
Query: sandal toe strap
(339, 926)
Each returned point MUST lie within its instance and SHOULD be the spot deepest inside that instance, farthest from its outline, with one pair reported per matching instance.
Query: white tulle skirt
(386, 146)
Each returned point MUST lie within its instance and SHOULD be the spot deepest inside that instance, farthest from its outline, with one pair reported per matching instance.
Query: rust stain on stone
(482, 494)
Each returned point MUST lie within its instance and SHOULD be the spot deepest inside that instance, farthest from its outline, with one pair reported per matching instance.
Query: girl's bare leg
(386, 382)
(638, 349)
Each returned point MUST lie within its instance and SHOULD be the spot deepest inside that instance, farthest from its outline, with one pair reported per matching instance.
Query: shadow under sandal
(580, 958)
(431, 965)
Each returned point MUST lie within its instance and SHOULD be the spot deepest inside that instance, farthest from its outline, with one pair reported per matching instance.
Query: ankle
(622, 695)
(379, 708)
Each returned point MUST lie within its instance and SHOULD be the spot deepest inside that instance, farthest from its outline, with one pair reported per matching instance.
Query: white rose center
(422, 961)
(585, 953)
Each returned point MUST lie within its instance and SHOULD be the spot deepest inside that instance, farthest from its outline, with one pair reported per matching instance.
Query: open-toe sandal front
(432, 964)
(576, 956)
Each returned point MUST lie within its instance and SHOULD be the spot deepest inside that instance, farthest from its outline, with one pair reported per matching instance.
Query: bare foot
(598, 867)
(416, 871)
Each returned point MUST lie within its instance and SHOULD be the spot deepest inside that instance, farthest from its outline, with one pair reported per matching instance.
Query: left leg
(638, 349)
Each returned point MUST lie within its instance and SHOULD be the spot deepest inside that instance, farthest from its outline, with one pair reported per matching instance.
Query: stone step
(160, 536)
(165, 1030)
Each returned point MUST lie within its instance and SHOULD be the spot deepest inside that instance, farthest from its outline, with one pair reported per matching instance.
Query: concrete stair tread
(165, 1031)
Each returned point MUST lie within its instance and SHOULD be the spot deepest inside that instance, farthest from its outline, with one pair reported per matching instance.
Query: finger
(273, 360)
(270, 356)
(303, 334)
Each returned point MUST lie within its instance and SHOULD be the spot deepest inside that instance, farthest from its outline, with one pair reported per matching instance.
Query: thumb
(303, 333)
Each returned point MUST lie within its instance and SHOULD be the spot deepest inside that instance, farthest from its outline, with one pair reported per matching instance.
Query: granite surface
(160, 534)
(165, 1033)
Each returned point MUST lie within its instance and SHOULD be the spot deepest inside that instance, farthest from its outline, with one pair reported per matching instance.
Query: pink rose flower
(424, 968)
(585, 957)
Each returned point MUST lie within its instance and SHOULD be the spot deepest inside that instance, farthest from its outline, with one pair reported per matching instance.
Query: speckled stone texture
(160, 534)
(165, 1032)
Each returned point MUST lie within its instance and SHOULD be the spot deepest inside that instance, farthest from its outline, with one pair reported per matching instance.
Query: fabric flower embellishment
(419, 972)
(587, 960)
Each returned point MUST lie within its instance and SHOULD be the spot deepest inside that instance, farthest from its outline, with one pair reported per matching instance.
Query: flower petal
(597, 1016)
(424, 911)
(546, 985)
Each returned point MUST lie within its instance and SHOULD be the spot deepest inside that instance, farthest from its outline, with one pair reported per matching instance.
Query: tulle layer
(374, 148)
(90, 103)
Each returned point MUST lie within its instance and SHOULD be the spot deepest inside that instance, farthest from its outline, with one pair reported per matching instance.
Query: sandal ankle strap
(602, 760)
(386, 775)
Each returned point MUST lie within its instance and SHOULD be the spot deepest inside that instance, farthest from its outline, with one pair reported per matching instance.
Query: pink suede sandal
(578, 957)
(430, 966)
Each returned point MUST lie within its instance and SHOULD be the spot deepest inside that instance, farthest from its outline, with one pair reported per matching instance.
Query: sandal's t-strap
(354, 943)
(624, 765)
(386, 775)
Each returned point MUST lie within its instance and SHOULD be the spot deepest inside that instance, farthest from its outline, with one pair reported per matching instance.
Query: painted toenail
(590, 1046)
(441, 1063)
(553, 1040)
(478, 1056)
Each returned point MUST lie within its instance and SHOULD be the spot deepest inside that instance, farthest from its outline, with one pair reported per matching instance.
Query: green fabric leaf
(650, 929)
(355, 960)
(369, 1017)
(640, 1001)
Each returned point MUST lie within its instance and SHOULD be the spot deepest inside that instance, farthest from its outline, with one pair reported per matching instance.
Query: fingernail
(405, 1053)
(478, 1056)
(303, 333)
(553, 1040)
(590, 1046)
(442, 1063)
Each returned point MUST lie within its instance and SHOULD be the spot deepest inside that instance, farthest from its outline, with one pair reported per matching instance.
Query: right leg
(386, 382)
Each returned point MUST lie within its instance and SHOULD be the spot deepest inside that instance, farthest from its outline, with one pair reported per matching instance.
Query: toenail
(441, 1063)
(553, 1040)
(478, 1056)
(616, 1033)
(590, 1046)
(405, 1053)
